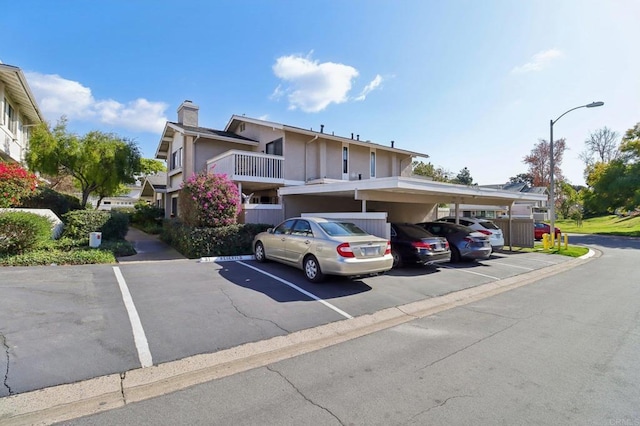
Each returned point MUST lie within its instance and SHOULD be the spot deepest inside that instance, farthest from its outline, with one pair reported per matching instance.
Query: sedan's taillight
(345, 250)
(388, 249)
(421, 245)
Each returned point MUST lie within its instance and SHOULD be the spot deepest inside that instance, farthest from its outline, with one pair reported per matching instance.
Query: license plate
(370, 251)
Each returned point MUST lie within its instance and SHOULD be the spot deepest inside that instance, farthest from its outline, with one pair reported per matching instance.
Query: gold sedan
(322, 247)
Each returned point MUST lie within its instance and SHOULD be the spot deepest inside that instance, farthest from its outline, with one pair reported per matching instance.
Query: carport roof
(412, 190)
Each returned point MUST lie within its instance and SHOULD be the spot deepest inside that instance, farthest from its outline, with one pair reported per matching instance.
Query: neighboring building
(154, 189)
(19, 112)
(537, 210)
(284, 171)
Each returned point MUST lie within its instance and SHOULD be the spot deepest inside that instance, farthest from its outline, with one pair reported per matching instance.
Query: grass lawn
(605, 225)
(571, 251)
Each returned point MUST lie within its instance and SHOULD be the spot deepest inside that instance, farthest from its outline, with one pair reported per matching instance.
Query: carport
(404, 199)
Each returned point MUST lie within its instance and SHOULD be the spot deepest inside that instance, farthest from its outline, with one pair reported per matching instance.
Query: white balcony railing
(250, 166)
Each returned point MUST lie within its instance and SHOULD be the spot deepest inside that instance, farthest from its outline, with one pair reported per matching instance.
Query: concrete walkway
(149, 248)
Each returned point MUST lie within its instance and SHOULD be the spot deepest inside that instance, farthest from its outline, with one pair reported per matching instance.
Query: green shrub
(146, 213)
(80, 223)
(46, 198)
(231, 240)
(59, 257)
(21, 231)
(66, 251)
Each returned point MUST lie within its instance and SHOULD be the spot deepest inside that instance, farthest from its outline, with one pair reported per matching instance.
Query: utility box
(95, 238)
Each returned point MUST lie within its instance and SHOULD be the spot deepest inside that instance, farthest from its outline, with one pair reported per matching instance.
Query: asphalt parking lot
(71, 323)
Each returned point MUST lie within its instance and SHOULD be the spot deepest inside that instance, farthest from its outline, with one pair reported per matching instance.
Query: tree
(99, 162)
(601, 146)
(526, 178)
(569, 200)
(616, 184)
(464, 177)
(539, 162)
(15, 184)
(438, 174)
(150, 166)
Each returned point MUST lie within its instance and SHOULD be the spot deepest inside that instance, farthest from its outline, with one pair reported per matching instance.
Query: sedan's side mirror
(270, 230)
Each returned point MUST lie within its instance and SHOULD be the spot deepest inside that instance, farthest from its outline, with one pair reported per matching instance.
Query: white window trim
(374, 155)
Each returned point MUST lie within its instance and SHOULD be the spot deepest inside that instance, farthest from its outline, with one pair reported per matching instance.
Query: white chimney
(188, 114)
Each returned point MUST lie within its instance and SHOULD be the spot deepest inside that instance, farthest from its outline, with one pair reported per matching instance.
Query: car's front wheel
(259, 251)
(312, 269)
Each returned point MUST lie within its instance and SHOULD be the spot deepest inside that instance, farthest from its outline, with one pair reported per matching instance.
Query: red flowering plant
(15, 183)
(209, 200)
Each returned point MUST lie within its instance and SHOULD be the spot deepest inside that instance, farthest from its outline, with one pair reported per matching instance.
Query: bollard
(545, 241)
(559, 241)
(566, 241)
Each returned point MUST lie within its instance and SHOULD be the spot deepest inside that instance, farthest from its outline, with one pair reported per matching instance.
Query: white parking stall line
(140, 339)
(470, 272)
(301, 290)
(512, 266)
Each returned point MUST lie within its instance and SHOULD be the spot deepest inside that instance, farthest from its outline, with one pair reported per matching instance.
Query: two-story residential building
(284, 171)
(18, 113)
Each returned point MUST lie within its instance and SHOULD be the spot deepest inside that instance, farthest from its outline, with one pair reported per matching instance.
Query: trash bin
(95, 238)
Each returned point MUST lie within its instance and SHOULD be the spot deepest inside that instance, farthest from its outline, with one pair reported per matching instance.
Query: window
(302, 228)
(174, 207)
(176, 159)
(284, 228)
(9, 117)
(345, 160)
(242, 127)
(373, 164)
(274, 147)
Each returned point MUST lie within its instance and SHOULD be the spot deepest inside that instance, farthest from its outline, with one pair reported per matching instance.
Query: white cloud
(539, 61)
(312, 86)
(373, 85)
(57, 96)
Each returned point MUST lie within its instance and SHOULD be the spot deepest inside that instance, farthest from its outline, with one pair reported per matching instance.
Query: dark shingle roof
(205, 131)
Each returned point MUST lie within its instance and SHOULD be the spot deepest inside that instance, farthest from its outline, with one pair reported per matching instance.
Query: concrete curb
(65, 402)
(227, 258)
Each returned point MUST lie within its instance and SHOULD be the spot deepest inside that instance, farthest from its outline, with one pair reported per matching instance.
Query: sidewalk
(149, 248)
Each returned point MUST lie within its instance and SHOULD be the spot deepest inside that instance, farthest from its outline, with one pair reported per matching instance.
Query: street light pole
(552, 189)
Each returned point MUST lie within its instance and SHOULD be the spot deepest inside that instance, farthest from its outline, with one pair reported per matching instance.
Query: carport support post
(457, 213)
(510, 228)
(364, 206)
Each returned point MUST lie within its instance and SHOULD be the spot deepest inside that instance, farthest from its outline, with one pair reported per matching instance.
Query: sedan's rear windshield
(488, 224)
(341, 228)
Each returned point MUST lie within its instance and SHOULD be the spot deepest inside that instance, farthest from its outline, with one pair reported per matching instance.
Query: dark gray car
(465, 243)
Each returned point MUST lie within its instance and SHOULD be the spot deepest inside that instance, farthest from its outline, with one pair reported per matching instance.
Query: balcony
(247, 166)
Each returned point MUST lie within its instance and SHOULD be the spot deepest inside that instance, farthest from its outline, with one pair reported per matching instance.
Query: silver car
(321, 246)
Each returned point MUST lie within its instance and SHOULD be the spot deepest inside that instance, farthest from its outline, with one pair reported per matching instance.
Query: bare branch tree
(601, 146)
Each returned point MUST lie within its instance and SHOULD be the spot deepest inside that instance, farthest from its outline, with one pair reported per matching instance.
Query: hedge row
(22, 231)
(80, 223)
(231, 240)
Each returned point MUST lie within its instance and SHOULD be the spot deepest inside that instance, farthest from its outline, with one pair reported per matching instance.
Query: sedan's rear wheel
(397, 260)
(259, 250)
(312, 269)
(455, 254)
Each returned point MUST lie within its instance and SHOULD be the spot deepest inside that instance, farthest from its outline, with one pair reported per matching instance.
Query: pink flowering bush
(209, 200)
(15, 183)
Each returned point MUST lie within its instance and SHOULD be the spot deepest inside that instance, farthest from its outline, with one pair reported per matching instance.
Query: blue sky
(470, 83)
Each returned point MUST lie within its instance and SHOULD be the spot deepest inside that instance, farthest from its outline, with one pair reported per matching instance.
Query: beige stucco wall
(294, 205)
(404, 212)
(293, 150)
(206, 149)
(264, 134)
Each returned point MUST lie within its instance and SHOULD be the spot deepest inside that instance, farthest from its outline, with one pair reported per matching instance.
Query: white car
(485, 226)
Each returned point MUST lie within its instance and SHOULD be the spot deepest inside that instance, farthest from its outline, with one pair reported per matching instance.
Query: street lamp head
(595, 104)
